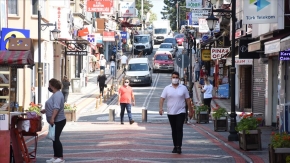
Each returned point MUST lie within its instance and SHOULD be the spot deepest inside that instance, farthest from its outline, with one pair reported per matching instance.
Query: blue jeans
(113, 70)
(197, 75)
(128, 108)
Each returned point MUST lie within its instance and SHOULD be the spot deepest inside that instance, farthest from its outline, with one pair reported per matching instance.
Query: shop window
(12, 7)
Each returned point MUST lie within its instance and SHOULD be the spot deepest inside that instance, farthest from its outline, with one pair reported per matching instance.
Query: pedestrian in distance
(65, 87)
(103, 63)
(207, 93)
(112, 65)
(54, 110)
(126, 98)
(124, 62)
(176, 95)
(196, 68)
(101, 81)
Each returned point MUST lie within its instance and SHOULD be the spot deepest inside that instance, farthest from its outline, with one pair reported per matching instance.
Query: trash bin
(76, 85)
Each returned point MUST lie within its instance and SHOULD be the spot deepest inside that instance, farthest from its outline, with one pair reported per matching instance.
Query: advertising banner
(99, 6)
(14, 33)
(223, 91)
(260, 11)
(124, 35)
(219, 53)
(127, 9)
(92, 39)
(108, 36)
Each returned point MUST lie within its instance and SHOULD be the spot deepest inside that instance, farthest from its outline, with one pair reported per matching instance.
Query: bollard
(144, 115)
(97, 103)
(100, 101)
(112, 115)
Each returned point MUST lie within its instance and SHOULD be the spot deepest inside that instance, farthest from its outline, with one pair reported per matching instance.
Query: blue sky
(157, 8)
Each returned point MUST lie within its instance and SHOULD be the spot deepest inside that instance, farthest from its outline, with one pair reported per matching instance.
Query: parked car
(179, 38)
(171, 40)
(163, 62)
(167, 47)
(139, 71)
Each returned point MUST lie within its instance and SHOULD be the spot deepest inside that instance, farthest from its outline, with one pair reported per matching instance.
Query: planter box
(251, 140)
(278, 155)
(221, 124)
(70, 115)
(202, 117)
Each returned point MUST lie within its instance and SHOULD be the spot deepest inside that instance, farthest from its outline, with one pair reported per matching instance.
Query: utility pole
(177, 16)
(142, 15)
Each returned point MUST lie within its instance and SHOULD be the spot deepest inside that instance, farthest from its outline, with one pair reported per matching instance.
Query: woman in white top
(207, 93)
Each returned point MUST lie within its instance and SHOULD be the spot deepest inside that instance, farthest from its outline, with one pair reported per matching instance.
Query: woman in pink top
(126, 97)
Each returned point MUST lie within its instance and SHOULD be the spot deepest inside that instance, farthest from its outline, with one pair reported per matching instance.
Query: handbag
(105, 85)
(51, 133)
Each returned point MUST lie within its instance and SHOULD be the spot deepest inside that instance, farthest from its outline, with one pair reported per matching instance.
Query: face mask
(126, 84)
(182, 82)
(49, 89)
(175, 81)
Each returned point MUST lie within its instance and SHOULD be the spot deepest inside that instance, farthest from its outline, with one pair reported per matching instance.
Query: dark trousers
(176, 123)
(101, 86)
(57, 146)
(102, 68)
(126, 106)
(65, 95)
(207, 101)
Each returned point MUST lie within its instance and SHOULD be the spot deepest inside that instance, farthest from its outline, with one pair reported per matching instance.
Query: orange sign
(99, 5)
(108, 36)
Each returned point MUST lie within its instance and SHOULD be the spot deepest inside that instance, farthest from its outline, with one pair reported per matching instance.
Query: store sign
(6, 33)
(91, 39)
(205, 55)
(284, 55)
(127, 9)
(260, 11)
(108, 36)
(239, 61)
(99, 39)
(254, 46)
(285, 44)
(78, 53)
(123, 35)
(200, 13)
(219, 53)
(244, 52)
(99, 5)
(193, 4)
(272, 46)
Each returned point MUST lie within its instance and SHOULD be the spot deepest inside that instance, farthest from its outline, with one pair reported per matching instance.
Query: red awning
(16, 58)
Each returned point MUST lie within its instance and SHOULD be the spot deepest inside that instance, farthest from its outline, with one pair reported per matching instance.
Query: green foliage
(220, 112)
(34, 108)
(248, 122)
(280, 140)
(152, 17)
(69, 107)
(201, 109)
(147, 5)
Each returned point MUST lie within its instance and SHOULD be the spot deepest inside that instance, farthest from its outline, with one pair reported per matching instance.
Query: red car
(179, 38)
(163, 62)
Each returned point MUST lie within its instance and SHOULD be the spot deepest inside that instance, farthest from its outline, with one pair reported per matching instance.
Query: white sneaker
(50, 161)
(58, 160)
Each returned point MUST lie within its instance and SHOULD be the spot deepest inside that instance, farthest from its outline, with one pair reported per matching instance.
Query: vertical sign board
(127, 9)
(205, 55)
(98, 5)
(219, 53)
(260, 11)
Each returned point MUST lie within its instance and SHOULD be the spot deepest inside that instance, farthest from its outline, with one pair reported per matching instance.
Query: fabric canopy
(16, 58)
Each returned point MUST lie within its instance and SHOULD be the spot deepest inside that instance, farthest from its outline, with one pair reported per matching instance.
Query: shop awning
(16, 58)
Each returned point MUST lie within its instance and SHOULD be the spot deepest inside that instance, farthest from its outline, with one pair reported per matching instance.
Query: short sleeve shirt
(124, 59)
(126, 94)
(196, 66)
(208, 91)
(56, 101)
(175, 98)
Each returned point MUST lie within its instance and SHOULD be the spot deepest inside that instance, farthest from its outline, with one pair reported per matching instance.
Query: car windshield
(165, 46)
(160, 31)
(163, 57)
(179, 36)
(138, 67)
(140, 39)
(171, 40)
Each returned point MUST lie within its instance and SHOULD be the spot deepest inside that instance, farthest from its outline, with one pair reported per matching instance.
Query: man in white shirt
(103, 63)
(124, 62)
(176, 95)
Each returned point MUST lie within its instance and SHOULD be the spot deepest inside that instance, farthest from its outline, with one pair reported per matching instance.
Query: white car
(167, 47)
(139, 71)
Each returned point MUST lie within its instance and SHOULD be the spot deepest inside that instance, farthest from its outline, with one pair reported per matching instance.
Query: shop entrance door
(245, 101)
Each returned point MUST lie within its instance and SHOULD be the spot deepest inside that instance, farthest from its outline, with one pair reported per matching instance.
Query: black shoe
(122, 123)
(174, 150)
(131, 122)
(178, 150)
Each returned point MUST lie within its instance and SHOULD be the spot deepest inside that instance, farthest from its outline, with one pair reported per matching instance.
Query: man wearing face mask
(126, 98)
(177, 95)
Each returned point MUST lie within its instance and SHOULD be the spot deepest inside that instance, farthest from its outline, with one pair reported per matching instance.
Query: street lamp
(55, 34)
(211, 21)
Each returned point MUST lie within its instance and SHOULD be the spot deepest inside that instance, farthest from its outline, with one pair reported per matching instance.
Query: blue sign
(12, 33)
(223, 91)
(284, 55)
(123, 35)
(204, 38)
(91, 38)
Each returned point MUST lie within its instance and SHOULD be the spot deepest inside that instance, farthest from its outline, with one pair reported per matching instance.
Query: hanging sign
(127, 9)
(193, 3)
(284, 55)
(205, 55)
(108, 36)
(219, 53)
(98, 5)
(200, 13)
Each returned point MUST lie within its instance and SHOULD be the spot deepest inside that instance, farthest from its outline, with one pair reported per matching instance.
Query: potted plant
(202, 114)
(249, 134)
(34, 116)
(70, 111)
(279, 148)
(220, 116)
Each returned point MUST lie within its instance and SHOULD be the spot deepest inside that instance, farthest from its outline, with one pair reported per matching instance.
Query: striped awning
(16, 58)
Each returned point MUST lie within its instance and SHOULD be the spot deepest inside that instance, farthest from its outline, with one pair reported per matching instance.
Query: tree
(152, 17)
(146, 7)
